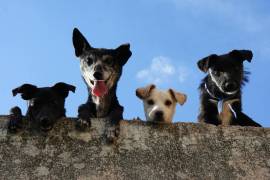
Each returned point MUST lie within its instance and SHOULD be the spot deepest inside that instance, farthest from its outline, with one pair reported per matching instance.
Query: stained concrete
(142, 151)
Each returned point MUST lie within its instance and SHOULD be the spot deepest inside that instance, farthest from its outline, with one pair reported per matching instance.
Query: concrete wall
(143, 151)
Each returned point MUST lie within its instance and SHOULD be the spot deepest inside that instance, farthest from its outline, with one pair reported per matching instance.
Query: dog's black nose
(159, 115)
(230, 86)
(98, 75)
(44, 122)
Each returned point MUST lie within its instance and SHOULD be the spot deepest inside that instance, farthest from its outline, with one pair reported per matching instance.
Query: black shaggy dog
(101, 70)
(222, 88)
(46, 105)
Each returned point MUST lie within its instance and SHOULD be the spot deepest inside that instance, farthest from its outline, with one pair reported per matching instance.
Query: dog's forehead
(100, 52)
(160, 95)
(226, 61)
(46, 94)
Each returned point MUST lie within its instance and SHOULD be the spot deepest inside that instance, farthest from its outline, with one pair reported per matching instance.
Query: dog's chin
(229, 92)
(157, 120)
(46, 128)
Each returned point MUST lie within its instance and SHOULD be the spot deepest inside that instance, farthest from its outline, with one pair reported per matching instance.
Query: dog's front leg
(208, 112)
(85, 113)
(15, 119)
(114, 117)
(228, 116)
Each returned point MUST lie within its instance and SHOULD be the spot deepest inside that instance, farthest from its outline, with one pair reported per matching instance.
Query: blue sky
(167, 39)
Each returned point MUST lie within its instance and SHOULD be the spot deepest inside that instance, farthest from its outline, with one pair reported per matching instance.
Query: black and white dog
(101, 70)
(222, 88)
(46, 105)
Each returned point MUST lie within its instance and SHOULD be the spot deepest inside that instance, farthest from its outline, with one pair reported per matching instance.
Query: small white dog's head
(159, 106)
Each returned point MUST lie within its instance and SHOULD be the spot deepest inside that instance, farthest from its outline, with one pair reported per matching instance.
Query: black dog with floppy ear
(222, 86)
(46, 105)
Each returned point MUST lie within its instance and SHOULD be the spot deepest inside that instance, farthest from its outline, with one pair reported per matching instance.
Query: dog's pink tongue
(100, 88)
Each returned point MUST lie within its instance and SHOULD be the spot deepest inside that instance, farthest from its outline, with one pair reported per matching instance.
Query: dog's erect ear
(63, 89)
(123, 53)
(242, 54)
(205, 63)
(145, 92)
(178, 97)
(27, 91)
(79, 42)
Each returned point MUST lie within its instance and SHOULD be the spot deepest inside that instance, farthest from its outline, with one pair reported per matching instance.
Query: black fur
(100, 64)
(46, 105)
(227, 70)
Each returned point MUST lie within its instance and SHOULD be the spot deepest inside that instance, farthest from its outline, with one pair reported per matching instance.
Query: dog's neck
(220, 101)
(210, 94)
(104, 103)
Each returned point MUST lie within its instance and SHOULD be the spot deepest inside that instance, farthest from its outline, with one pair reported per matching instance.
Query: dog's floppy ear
(178, 97)
(145, 92)
(242, 54)
(63, 88)
(79, 42)
(205, 63)
(27, 91)
(123, 53)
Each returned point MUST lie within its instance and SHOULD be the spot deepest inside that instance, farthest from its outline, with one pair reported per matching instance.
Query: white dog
(159, 106)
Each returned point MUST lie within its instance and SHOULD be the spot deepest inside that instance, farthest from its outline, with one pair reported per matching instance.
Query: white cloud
(161, 71)
(183, 74)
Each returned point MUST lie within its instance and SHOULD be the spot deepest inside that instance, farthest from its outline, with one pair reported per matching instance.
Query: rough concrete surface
(142, 151)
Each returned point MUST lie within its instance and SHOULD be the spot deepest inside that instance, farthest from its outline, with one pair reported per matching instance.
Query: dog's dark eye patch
(216, 72)
(108, 61)
(150, 102)
(168, 102)
(89, 60)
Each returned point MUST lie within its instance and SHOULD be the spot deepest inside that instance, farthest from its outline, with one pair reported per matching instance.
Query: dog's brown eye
(168, 102)
(150, 102)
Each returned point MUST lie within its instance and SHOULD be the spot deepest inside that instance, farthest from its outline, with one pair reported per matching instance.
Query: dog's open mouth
(93, 81)
(99, 88)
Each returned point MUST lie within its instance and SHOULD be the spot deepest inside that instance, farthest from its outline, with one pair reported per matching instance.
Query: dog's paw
(112, 133)
(82, 124)
(15, 119)
(12, 125)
